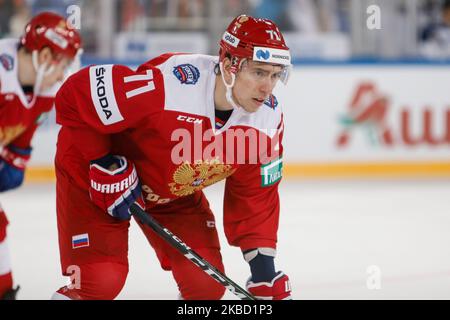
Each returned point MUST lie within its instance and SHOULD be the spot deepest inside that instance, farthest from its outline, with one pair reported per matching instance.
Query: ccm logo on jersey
(102, 94)
(189, 119)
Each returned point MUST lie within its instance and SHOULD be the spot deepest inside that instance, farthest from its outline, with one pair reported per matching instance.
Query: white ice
(330, 235)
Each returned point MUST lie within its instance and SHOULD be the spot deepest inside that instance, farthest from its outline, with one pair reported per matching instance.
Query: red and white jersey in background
(162, 117)
(19, 119)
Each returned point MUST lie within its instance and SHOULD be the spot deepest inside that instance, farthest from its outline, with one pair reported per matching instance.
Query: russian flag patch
(80, 241)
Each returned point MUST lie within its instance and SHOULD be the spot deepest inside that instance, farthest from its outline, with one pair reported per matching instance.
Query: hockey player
(31, 71)
(156, 137)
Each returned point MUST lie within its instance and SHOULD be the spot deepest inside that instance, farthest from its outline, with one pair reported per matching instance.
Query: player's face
(59, 68)
(254, 84)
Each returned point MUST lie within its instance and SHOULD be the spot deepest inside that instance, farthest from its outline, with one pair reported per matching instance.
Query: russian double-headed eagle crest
(8, 134)
(189, 178)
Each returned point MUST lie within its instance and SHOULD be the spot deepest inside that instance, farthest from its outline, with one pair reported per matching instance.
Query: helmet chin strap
(229, 87)
(41, 71)
(229, 92)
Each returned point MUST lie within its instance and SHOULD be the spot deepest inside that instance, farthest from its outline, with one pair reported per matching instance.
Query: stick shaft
(190, 254)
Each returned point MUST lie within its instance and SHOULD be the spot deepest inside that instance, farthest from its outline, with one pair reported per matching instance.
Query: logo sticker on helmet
(57, 39)
(265, 55)
(243, 19)
(186, 73)
(230, 39)
(272, 55)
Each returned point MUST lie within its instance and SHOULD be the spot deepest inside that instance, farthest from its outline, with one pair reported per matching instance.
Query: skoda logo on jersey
(7, 62)
(261, 54)
(102, 94)
(186, 73)
(271, 102)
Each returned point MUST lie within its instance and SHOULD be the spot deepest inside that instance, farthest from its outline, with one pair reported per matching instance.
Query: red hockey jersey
(162, 117)
(18, 119)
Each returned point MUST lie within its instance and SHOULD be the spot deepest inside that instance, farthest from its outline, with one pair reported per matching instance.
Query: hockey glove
(13, 162)
(277, 289)
(115, 190)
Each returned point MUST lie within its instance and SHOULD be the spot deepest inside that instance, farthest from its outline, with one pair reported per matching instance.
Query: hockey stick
(196, 259)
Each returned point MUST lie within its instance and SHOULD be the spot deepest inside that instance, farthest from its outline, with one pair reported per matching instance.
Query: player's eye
(277, 76)
(260, 73)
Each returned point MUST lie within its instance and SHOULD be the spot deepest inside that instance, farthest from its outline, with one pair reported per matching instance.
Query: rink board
(346, 120)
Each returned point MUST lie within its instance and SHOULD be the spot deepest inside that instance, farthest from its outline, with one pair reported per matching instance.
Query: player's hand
(13, 162)
(115, 190)
(277, 289)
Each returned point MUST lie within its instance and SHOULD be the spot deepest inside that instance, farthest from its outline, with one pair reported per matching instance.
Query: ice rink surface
(337, 240)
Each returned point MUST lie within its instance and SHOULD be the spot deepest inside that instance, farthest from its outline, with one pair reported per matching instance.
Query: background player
(31, 71)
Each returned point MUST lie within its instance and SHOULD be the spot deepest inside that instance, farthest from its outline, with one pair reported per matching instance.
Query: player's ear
(45, 56)
(227, 69)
